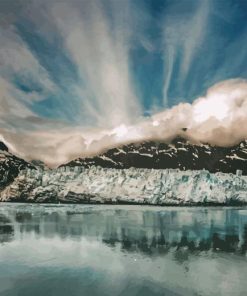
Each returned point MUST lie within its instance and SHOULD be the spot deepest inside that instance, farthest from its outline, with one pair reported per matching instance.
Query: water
(122, 250)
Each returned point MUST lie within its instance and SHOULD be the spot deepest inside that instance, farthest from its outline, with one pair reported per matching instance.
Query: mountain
(179, 154)
(3, 147)
(39, 164)
(10, 166)
(145, 179)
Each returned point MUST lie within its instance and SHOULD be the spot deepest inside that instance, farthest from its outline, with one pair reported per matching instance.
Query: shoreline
(170, 205)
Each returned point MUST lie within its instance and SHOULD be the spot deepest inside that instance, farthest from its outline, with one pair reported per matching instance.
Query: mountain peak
(3, 147)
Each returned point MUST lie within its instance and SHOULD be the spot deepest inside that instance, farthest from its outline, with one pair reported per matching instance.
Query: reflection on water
(121, 250)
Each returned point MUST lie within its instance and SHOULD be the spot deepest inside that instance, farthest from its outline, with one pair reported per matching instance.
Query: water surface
(122, 250)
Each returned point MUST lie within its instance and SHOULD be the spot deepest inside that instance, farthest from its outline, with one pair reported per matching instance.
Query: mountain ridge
(180, 154)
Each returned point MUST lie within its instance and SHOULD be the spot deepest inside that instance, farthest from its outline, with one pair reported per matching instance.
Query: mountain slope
(10, 166)
(178, 154)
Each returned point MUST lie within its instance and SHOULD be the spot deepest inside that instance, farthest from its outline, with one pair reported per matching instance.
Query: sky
(79, 76)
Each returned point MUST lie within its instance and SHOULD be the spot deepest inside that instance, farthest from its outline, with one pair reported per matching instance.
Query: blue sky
(183, 46)
(103, 63)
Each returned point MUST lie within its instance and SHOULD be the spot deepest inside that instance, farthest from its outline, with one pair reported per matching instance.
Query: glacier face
(133, 185)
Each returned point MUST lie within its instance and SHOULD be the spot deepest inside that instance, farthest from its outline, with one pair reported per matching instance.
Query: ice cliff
(133, 185)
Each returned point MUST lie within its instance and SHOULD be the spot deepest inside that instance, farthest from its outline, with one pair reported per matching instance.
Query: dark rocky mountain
(178, 154)
(38, 164)
(10, 166)
(3, 147)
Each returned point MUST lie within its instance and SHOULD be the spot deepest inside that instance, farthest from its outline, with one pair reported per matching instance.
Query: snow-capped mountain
(132, 174)
(10, 166)
(178, 154)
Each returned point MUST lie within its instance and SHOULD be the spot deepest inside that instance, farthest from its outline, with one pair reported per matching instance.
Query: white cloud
(182, 35)
(16, 58)
(10, 105)
(101, 53)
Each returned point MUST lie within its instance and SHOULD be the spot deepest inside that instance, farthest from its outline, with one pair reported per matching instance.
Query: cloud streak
(182, 36)
(98, 42)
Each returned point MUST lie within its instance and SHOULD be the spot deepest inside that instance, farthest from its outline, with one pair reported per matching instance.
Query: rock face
(179, 154)
(134, 185)
(10, 166)
(3, 147)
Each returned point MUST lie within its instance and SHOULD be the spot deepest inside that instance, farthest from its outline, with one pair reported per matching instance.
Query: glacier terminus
(133, 185)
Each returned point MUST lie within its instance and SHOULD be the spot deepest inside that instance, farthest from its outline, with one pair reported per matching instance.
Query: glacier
(133, 185)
